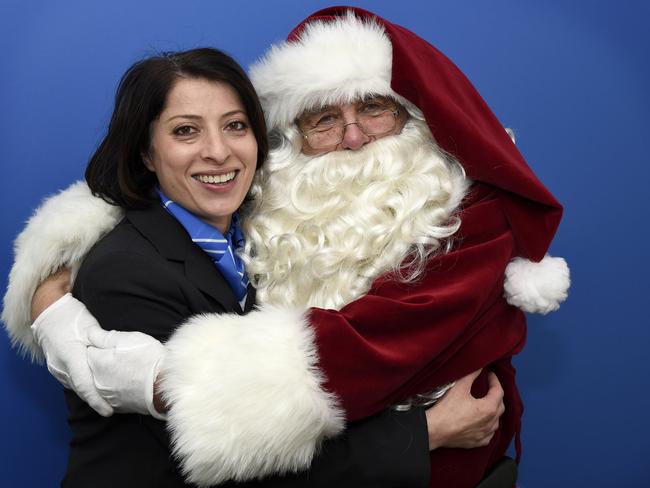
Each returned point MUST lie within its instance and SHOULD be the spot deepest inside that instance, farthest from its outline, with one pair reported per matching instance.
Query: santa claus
(391, 208)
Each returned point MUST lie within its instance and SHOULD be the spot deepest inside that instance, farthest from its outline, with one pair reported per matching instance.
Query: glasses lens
(379, 124)
(319, 139)
(373, 119)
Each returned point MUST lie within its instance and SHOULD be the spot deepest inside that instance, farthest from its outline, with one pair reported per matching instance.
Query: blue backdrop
(570, 77)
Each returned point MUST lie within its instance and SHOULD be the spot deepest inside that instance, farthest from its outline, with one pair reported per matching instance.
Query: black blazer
(147, 275)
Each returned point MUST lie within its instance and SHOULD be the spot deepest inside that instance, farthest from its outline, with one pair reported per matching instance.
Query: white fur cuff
(59, 234)
(246, 397)
(537, 287)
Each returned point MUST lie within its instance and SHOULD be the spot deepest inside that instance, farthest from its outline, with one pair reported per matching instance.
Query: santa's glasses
(325, 128)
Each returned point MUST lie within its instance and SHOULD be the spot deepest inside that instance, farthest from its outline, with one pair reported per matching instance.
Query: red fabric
(399, 339)
(403, 339)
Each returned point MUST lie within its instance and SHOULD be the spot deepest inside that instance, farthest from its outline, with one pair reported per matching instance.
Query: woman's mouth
(223, 179)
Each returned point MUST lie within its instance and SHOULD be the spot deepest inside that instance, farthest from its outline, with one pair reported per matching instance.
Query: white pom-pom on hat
(537, 287)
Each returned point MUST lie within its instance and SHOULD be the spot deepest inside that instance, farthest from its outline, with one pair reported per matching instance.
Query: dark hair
(116, 172)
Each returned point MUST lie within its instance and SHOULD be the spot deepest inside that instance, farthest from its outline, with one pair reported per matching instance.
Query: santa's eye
(326, 120)
(373, 107)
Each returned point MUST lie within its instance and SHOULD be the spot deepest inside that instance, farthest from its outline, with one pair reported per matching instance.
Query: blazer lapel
(250, 299)
(172, 241)
(200, 269)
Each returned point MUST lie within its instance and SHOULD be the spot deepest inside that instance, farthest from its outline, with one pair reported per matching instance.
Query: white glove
(61, 331)
(125, 366)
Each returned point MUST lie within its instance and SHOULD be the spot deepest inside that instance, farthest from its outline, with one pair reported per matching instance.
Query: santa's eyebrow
(316, 111)
(360, 101)
(377, 99)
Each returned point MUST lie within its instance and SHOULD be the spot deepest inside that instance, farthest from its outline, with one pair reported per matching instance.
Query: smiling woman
(191, 114)
(185, 139)
(203, 150)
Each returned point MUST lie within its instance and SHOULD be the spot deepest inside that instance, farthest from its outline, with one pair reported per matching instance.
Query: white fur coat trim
(246, 395)
(60, 233)
(537, 287)
(333, 62)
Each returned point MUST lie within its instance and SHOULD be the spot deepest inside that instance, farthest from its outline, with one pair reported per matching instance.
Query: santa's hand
(460, 420)
(125, 366)
(61, 331)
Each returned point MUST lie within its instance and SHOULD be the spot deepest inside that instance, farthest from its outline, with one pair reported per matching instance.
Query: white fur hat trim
(537, 287)
(332, 62)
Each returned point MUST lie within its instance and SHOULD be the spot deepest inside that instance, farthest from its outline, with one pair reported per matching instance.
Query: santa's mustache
(312, 181)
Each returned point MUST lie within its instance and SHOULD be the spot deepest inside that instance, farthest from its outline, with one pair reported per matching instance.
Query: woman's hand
(50, 290)
(460, 420)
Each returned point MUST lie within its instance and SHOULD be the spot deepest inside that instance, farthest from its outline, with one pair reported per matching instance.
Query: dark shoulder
(124, 256)
(127, 285)
(124, 239)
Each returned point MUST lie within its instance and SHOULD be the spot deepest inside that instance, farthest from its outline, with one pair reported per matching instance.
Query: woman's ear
(146, 159)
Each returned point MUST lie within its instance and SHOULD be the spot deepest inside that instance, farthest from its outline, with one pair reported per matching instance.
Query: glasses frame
(306, 134)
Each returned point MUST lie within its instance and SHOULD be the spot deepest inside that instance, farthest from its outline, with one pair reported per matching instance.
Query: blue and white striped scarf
(221, 249)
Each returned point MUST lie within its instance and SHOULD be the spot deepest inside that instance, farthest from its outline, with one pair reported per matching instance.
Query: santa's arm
(403, 339)
(58, 235)
(312, 366)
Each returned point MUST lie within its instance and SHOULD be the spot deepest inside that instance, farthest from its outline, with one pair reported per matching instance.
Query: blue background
(570, 77)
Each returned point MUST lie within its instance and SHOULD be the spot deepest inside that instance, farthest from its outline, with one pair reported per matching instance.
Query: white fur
(325, 227)
(246, 396)
(537, 287)
(60, 233)
(332, 62)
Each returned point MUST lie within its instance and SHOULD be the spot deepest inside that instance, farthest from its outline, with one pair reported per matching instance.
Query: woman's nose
(215, 148)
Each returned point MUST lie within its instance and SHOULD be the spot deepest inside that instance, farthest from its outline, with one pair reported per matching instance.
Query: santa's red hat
(341, 53)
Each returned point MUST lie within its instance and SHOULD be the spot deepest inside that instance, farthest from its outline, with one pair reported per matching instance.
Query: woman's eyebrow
(197, 117)
(234, 112)
(184, 116)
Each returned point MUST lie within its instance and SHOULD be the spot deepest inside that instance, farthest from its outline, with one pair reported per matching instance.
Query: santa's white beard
(323, 228)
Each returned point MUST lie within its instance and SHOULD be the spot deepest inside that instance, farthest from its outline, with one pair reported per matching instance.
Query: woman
(170, 111)
(185, 139)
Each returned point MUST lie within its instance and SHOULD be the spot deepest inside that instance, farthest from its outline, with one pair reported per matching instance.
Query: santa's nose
(353, 137)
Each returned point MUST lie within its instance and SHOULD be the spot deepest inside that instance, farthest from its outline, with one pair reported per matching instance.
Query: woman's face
(203, 150)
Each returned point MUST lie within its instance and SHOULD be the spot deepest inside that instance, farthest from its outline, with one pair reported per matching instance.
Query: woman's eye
(184, 130)
(237, 126)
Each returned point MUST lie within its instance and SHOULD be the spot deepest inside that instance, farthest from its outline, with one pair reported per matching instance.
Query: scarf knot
(221, 249)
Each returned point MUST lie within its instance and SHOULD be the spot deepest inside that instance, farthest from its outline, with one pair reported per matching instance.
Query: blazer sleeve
(384, 451)
(129, 292)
